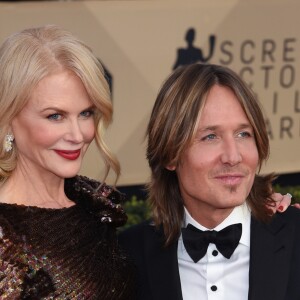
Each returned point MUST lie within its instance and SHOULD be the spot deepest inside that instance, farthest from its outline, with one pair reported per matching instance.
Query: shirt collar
(240, 214)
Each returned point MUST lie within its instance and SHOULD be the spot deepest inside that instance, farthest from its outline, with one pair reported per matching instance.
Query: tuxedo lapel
(162, 268)
(271, 247)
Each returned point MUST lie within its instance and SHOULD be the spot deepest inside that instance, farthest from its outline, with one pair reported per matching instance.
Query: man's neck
(211, 217)
(238, 215)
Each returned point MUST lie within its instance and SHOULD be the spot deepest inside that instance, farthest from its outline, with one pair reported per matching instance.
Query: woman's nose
(74, 133)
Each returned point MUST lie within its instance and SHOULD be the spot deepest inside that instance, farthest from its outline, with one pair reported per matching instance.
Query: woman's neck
(35, 190)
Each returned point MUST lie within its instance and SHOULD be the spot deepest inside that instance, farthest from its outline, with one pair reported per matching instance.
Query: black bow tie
(196, 241)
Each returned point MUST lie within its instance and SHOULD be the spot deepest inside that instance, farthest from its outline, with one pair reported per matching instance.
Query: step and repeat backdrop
(141, 42)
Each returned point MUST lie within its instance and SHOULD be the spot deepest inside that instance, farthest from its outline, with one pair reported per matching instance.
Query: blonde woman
(57, 229)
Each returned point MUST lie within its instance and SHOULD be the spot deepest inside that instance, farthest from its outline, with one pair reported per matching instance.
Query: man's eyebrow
(215, 127)
(245, 126)
(208, 128)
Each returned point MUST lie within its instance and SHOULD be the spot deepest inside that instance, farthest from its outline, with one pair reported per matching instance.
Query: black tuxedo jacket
(274, 260)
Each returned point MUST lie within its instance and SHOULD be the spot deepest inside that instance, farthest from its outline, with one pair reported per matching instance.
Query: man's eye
(244, 134)
(209, 137)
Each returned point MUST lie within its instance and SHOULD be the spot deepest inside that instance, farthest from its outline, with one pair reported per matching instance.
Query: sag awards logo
(272, 60)
(192, 54)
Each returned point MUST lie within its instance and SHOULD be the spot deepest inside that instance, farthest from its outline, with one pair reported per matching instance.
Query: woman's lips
(68, 154)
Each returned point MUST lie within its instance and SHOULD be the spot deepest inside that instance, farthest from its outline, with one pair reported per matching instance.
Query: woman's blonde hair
(29, 56)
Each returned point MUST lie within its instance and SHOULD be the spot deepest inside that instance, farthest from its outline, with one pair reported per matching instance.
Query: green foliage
(136, 210)
(139, 211)
(293, 190)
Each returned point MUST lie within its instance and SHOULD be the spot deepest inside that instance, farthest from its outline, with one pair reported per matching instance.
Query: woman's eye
(87, 113)
(55, 117)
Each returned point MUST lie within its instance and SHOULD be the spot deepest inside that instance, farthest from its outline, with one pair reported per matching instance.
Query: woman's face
(55, 128)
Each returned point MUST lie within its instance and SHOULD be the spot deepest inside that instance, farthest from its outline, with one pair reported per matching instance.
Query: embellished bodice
(68, 253)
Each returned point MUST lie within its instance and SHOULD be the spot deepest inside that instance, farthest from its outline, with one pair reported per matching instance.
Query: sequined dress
(68, 253)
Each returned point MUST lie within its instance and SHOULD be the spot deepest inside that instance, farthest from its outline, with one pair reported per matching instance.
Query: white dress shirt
(215, 277)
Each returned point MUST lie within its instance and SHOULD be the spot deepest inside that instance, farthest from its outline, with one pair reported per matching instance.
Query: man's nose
(231, 153)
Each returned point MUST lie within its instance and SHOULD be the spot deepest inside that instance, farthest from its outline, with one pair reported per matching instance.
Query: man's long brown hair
(172, 128)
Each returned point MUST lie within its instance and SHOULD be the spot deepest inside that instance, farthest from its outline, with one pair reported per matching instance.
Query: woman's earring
(8, 145)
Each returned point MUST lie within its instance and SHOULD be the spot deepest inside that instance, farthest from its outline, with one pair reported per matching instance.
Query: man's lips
(230, 179)
(69, 154)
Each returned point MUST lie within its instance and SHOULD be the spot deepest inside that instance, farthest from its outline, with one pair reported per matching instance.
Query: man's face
(217, 171)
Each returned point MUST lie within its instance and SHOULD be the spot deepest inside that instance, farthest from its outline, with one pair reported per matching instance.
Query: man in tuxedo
(213, 233)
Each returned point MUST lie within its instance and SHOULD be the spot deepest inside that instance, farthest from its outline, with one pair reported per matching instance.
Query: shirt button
(215, 253)
(213, 288)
